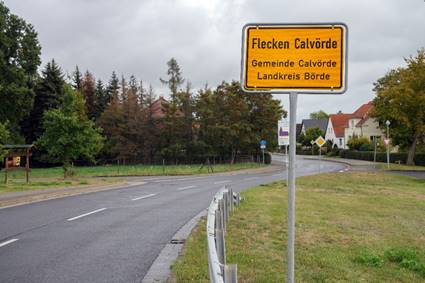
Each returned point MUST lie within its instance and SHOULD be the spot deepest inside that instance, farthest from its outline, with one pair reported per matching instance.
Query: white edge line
(143, 197)
(186, 188)
(86, 214)
(8, 242)
(251, 178)
(222, 182)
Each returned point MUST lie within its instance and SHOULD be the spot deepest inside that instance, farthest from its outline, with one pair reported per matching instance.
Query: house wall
(330, 134)
(370, 128)
(351, 130)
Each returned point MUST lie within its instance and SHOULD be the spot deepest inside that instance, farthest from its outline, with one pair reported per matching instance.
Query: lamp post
(388, 143)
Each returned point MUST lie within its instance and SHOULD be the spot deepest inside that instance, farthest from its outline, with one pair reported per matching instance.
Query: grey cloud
(138, 37)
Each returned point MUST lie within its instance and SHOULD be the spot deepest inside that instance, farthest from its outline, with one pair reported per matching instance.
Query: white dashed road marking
(7, 242)
(186, 188)
(222, 182)
(86, 214)
(143, 197)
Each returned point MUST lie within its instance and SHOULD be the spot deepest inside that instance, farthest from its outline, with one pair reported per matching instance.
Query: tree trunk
(412, 150)
(65, 169)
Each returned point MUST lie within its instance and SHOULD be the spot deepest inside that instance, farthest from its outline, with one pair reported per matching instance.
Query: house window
(340, 142)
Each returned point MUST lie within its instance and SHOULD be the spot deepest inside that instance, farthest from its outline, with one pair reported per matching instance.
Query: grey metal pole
(291, 184)
(388, 146)
(320, 158)
(286, 164)
(374, 151)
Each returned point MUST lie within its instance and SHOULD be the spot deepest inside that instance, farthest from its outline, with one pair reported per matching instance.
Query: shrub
(358, 143)
(381, 156)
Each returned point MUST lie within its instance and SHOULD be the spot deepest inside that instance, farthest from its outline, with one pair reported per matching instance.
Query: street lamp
(388, 143)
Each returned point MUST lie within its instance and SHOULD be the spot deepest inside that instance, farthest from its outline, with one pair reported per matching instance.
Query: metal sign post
(320, 141)
(297, 58)
(291, 184)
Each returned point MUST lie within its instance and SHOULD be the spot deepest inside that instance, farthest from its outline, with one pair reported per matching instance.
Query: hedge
(381, 156)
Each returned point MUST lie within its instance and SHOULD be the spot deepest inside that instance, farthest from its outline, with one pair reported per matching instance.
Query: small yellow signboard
(302, 58)
(320, 141)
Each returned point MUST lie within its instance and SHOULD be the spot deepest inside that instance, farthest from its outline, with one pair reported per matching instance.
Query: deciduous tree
(400, 99)
(19, 60)
(69, 134)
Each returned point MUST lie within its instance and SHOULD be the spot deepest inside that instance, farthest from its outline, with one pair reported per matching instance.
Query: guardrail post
(230, 273)
(221, 249)
(223, 213)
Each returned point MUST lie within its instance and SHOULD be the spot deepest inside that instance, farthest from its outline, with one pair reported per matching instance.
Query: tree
(88, 89)
(319, 115)
(77, 78)
(311, 134)
(172, 143)
(49, 94)
(69, 134)
(4, 138)
(175, 79)
(400, 99)
(150, 127)
(112, 88)
(19, 60)
(101, 100)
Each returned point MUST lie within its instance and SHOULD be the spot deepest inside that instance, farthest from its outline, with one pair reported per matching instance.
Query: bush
(359, 143)
(381, 156)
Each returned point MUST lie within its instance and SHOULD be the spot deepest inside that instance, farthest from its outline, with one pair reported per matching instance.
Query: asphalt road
(112, 236)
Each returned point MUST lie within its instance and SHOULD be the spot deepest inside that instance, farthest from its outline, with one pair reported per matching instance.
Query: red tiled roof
(339, 123)
(157, 108)
(363, 113)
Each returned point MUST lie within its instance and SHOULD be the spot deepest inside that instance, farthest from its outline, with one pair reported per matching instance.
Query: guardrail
(219, 210)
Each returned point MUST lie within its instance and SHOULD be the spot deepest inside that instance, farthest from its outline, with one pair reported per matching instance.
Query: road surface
(112, 236)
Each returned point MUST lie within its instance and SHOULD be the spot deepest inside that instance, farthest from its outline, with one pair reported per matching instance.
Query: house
(335, 131)
(157, 108)
(342, 126)
(314, 123)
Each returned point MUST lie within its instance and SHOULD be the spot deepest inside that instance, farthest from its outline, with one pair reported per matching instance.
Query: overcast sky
(138, 37)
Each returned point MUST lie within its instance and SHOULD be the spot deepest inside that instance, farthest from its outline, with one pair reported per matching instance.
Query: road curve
(113, 236)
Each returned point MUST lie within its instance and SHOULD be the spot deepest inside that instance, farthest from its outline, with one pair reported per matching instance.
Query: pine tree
(100, 99)
(49, 95)
(124, 88)
(142, 95)
(88, 89)
(112, 89)
(150, 128)
(77, 78)
(175, 79)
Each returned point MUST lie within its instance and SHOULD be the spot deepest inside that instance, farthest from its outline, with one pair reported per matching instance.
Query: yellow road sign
(320, 141)
(302, 58)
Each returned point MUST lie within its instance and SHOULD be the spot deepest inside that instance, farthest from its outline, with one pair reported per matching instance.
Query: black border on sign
(299, 89)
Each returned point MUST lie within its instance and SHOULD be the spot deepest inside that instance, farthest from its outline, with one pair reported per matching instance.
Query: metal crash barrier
(219, 210)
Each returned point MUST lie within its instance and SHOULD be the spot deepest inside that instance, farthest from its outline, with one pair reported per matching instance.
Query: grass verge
(131, 170)
(19, 185)
(401, 167)
(350, 227)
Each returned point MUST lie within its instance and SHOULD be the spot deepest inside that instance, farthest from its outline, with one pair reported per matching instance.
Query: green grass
(20, 185)
(350, 227)
(401, 167)
(131, 170)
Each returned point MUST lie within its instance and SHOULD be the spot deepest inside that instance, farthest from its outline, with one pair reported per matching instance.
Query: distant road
(115, 235)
